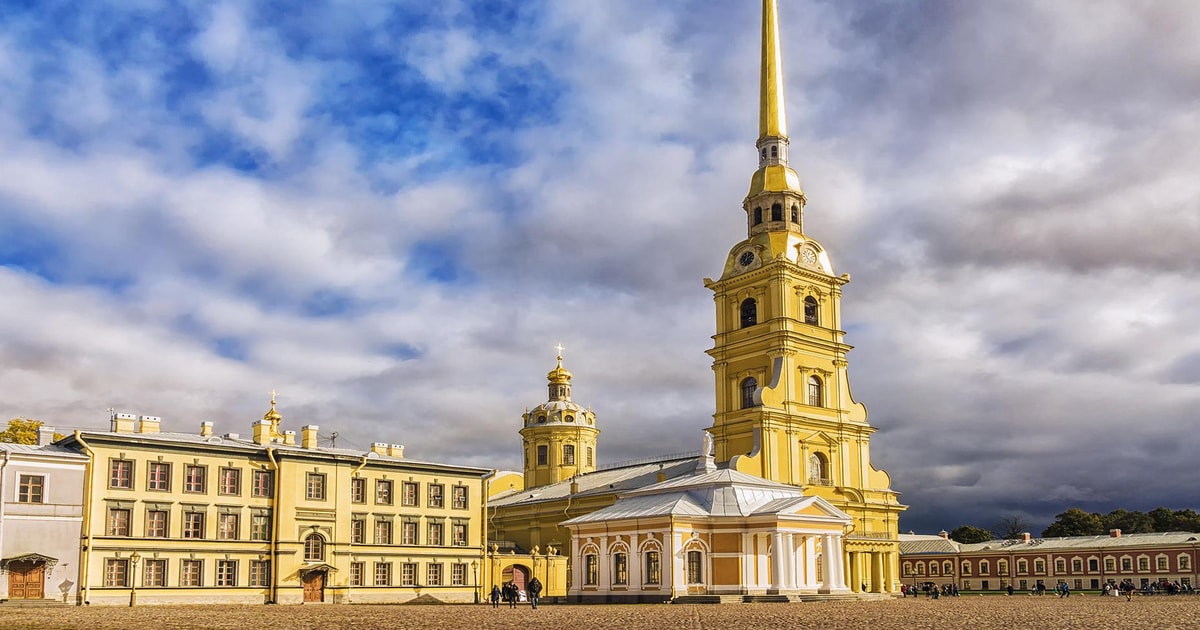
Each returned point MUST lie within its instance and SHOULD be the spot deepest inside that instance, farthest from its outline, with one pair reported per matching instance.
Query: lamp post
(475, 572)
(133, 562)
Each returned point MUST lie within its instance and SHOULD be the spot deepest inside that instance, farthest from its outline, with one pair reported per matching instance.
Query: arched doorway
(517, 574)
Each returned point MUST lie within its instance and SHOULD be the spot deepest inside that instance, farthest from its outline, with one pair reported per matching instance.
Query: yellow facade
(195, 518)
(559, 435)
(783, 405)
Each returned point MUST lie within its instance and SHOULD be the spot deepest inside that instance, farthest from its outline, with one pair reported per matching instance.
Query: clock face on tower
(746, 258)
(808, 256)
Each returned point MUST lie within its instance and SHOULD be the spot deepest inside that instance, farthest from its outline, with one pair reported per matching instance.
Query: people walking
(535, 591)
(495, 596)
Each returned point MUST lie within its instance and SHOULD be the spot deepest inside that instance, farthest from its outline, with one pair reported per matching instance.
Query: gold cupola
(559, 435)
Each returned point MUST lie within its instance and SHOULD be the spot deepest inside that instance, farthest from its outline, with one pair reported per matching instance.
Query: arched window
(966, 567)
(818, 470)
(749, 384)
(795, 213)
(774, 151)
(695, 567)
(947, 568)
(777, 212)
(810, 311)
(933, 568)
(541, 419)
(1022, 566)
(314, 548)
(568, 455)
(749, 312)
(984, 567)
(814, 391)
(1002, 567)
(764, 153)
(653, 573)
(757, 216)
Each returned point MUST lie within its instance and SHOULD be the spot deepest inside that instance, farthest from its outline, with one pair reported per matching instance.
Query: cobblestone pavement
(1091, 613)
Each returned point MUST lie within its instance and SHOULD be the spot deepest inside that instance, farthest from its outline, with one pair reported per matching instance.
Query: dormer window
(774, 152)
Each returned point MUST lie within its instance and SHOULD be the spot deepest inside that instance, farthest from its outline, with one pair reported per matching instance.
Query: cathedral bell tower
(559, 435)
(783, 406)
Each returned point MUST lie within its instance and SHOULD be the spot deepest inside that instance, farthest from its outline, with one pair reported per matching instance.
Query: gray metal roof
(49, 450)
(608, 481)
(912, 544)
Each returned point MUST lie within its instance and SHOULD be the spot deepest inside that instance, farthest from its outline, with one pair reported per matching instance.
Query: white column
(678, 565)
(577, 568)
(604, 574)
(635, 565)
(764, 560)
(776, 561)
(810, 548)
(839, 570)
(789, 545)
(747, 561)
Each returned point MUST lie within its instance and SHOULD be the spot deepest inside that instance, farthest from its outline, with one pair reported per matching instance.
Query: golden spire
(274, 417)
(772, 119)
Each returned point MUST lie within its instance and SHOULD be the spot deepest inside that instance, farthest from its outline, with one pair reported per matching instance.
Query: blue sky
(391, 212)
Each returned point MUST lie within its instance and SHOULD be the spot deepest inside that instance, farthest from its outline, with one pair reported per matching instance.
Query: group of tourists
(929, 589)
(512, 594)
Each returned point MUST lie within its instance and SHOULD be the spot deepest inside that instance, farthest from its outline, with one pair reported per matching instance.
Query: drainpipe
(86, 557)
(3, 472)
(274, 525)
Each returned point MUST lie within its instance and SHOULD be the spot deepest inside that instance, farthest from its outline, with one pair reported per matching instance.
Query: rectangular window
(358, 531)
(383, 532)
(260, 573)
(1143, 564)
(435, 495)
(158, 476)
(695, 567)
(118, 522)
(31, 489)
(459, 498)
(654, 568)
(263, 484)
(358, 490)
(409, 498)
(154, 573)
(156, 523)
(191, 573)
(120, 474)
(1110, 564)
(314, 487)
(568, 455)
(1077, 565)
(194, 478)
(193, 524)
(1185, 563)
(591, 566)
(1079, 585)
(433, 574)
(383, 492)
(408, 574)
(1093, 564)
(1162, 564)
(356, 573)
(458, 534)
(116, 572)
(226, 572)
(227, 527)
(231, 481)
(1039, 566)
(408, 533)
(435, 534)
(620, 568)
(1060, 566)
(458, 574)
(383, 574)
(1126, 564)
(542, 452)
(260, 527)
(590, 459)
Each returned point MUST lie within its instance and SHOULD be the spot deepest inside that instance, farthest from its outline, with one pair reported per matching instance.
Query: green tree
(1129, 522)
(1166, 520)
(967, 534)
(1012, 527)
(1075, 522)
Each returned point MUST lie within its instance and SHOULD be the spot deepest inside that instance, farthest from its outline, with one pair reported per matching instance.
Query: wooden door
(314, 587)
(26, 580)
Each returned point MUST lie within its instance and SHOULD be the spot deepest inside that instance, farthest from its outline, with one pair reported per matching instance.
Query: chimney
(1025, 537)
(395, 450)
(944, 534)
(574, 486)
(1115, 533)
(289, 438)
(206, 428)
(148, 424)
(123, 422)
(379, 448)
(262, 431)
(662, 476)
(45, 435)
(308, 436)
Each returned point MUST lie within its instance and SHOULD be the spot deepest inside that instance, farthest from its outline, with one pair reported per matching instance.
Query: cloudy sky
(391, 212)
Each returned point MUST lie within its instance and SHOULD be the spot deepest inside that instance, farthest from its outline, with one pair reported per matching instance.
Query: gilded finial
(772, 121)
(274, 416)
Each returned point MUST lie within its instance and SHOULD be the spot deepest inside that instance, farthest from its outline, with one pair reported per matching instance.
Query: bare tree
(1012, 526)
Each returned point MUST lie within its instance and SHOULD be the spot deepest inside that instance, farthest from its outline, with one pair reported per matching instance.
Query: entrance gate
(26, 580)
(314, 587)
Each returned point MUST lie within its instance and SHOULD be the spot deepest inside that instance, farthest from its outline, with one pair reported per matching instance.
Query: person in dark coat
(535, 591)
(495, 596)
